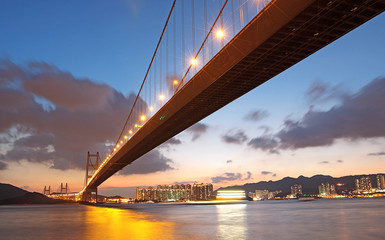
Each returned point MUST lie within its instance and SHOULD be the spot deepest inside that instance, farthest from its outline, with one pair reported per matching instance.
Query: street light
(220, 33)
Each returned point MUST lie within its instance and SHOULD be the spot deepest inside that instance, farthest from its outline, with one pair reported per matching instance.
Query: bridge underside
(284, 33)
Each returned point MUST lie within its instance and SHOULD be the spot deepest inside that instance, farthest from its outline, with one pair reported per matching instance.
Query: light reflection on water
(79, 222)
(110, 223)
(321, 219)
(231, 220)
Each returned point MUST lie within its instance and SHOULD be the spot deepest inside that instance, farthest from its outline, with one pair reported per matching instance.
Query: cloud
(321, 92)
(265, 143)
(237, 137)
(324, 162)
(376, 154)
(173, 141)
(229, 161)
(357, 116)
(340, 161)
(83, 116)
(197, 130)
(3, 166)
(256, 115)
(268, 173)
(184, 183)
(230, 176)
(151, 162)
(248, 175)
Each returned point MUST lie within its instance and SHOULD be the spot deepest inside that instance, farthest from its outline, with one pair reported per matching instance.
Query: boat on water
(304, 199)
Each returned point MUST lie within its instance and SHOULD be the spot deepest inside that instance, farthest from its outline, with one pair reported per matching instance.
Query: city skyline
(269, 133)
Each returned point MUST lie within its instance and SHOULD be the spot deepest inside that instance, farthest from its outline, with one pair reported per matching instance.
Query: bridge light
(121, 141)
(125, 137)
(117, 146)
(194, 61)
(143, 118)
(130, 132)
(220, 33)
(161, 97)
(175, 82)
(151, 108)
(114, 149)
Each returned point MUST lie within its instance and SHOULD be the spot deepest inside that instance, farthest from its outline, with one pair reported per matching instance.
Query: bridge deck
(284, 33)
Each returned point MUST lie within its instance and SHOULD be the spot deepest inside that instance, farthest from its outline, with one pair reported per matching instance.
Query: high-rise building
(326, 189)
(176, 192)
(363, 185)
(380, 182)
(261, 194)
(296, 190)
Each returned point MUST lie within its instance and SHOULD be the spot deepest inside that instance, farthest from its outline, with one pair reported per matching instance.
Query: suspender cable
(160, 70)
(222, 41)
(174, 44)
(166, 72)
(247, 12)
(193, 25)
(205, 15)
(232, 16)
(241, 13)
(204, 41)
(145, 77)
(183, 50)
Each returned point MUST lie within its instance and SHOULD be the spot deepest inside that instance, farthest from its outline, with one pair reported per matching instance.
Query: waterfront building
(296, 190)
(261, 194)
(363, 185)
(380, 182)
(231, 194)
(178, 192)
(326, 189)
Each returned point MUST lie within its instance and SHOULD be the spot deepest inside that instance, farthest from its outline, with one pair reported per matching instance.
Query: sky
(69, 72)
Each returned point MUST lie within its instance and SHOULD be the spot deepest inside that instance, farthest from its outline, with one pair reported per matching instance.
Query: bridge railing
(194, 33)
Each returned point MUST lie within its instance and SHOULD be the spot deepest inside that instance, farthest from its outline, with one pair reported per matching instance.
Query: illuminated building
(363, 185)
(231, 195)
(380, 182)
(326, 189)
(261, 194)
(178, 192)
(296, 190)
(201, 191)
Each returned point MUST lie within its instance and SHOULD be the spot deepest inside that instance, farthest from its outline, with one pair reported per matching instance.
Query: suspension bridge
(241, 45)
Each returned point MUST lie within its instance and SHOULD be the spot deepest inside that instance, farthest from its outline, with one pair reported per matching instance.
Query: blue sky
(106, 46)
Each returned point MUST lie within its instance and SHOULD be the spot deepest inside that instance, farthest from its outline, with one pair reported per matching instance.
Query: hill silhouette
(10, 191)
(309, 184)
(10, 194)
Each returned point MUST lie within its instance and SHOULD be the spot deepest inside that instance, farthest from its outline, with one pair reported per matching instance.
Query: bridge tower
(91, 167)
(47, 191)
(64, 189)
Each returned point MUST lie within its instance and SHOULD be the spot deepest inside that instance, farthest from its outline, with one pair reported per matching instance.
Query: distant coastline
(11, 195)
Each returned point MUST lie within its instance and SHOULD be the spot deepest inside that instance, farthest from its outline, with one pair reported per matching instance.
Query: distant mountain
(31, 198)
(9, 191)
(309, 185)
(13, 195)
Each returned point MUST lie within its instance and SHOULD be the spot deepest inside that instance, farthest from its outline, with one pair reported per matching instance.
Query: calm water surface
(320, 219)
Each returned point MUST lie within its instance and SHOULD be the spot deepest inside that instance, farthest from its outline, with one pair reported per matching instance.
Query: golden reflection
(110, 223)
(232, 222)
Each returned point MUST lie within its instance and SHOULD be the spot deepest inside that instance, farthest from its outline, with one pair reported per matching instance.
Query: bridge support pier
(90, 196)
